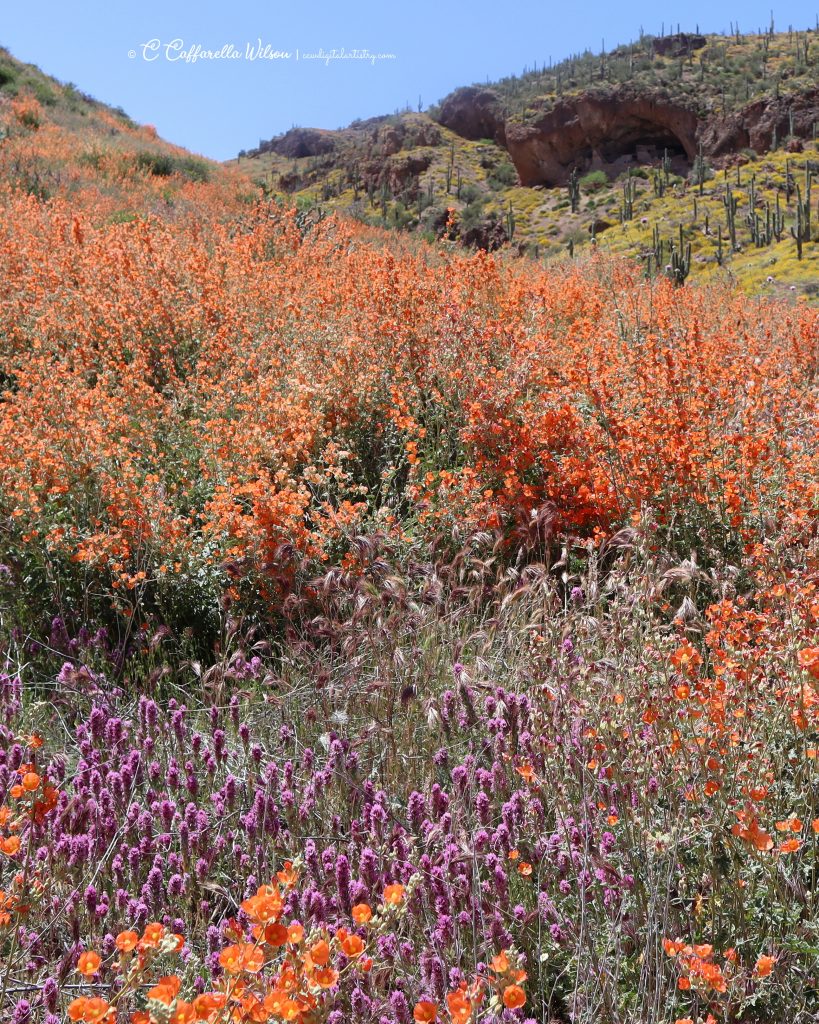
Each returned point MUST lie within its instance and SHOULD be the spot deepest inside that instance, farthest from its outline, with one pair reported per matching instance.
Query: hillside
(714, 135)
(391, 632)
(57, 142)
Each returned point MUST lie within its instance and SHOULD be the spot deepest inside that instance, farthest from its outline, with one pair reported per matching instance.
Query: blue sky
(218, 106)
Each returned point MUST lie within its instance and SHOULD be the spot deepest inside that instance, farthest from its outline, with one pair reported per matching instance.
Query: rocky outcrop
(681, 44)
(474, 113)
(299, 142)
(489, 234)
(597, 132)
(610, 129)
(754, 127)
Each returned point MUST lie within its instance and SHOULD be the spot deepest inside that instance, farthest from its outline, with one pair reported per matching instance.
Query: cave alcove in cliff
(637, 143)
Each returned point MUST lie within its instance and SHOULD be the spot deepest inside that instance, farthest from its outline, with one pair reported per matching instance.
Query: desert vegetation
(391, 632)
(712, 134)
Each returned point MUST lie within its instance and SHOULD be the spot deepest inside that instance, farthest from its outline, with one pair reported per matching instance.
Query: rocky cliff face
(299, 142)
(474, 113)
(610, 129)
(756, 125)
(598, 132)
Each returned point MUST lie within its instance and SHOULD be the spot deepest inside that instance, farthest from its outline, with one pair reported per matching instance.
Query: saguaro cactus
(680, 265)
(574, 190)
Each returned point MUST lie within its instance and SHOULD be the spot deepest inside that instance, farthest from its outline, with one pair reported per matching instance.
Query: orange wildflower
(808, 659)
(264, 907)
(89, 963)
(361, 913)
(320, 953)
(326, 977)
(152, 935)
(352, 946)
(166, 990)
(460, 1008)
(394, 894)
(242, 957)
(513, 997)
(500, 963)
(183, 1013)
(764, 966)
(276, 934)
(126, 941)
(288, 876)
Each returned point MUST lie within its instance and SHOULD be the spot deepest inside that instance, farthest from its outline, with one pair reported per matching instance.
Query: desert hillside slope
(709, 134)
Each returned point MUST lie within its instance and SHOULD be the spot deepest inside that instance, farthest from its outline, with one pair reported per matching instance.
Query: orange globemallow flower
(288, 876)
(500, 963)
(425, 1012)
(361, 913)
(31, 781)
(352, 945)
(320, 953)
(89, 963)
(808, 659)
(265, 907)
(10, 846)
(326, 977)
(183, 1013)
(276, 934)
(513, 997)
(460, 1008)
(394, 894)
(208, 1003)
(764, 966)
(166, 990)
(152, 935)
(242, 957)
(90, 1009)
(127, 941)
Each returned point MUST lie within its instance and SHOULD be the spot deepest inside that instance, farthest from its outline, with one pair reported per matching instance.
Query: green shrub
(122, 217)
(503, 175)
(158, 164)
(470, 193)
(8, 76)
(594, 181)
(162, 165)
(472, 213)
(192, 168)
(43, 93)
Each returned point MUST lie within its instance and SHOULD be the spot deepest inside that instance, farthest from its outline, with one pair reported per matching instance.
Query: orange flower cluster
(37, 799)
(183, 392)
(696, 965)
(699, 971)
(276, 973)
(464, 1004)
(136, 954)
